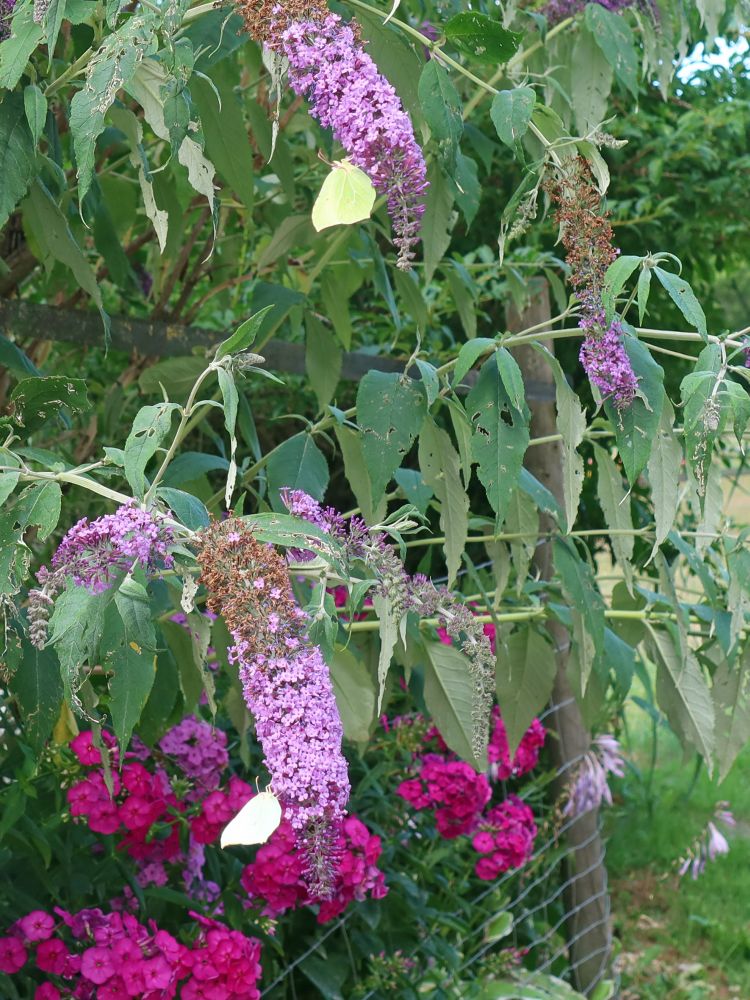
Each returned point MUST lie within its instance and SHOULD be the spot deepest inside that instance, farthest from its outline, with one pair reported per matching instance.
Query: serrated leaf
(469, 354)
(590, 82)
(437, 220)
(482, 37)
(111, 67)
(615, 38)
(355, 695)
(644, 287)
(682, 692)
(244, 336)
(39, 504)
(441, 106)
(75, 628)
(299, 465)
(524, 681)
(390, 411)
(617, 274)
(586, 604)
(511, 112)
(17, 158)
(500, 439)
(448, 696)
(440, 466)
(35, 106)
(522, 519)
(664, 475)
(15, 51)
(150, 427)
(388, 627)
(128, 646)
(38, 690)
(684, 298)
(615, 504)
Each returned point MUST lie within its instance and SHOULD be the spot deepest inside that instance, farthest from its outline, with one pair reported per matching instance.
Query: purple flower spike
(348, 94)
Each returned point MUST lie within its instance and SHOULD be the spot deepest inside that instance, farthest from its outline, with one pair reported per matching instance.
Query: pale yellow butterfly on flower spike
(347, 196)
(254, 823)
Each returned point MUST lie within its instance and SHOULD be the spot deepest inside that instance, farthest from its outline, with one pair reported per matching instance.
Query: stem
(72, 71)
(187, 411)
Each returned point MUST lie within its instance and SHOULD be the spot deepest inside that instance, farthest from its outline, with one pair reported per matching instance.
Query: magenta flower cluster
(276, 876)
(93, 955)
(605, 359)
(200, 751)
(505, 838)
(349, 95)
(452, 789)
(526, 757)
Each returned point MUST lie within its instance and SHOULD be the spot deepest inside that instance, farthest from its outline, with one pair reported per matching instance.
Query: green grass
(680, 939)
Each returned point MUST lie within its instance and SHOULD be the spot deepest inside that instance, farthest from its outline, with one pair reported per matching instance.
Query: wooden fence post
(586, 897)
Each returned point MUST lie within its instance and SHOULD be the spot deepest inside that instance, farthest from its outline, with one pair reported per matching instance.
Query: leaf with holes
(150, 427)
(390, 411)
(482, 37)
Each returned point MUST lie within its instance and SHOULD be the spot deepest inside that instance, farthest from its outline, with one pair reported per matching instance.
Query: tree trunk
(585, 894)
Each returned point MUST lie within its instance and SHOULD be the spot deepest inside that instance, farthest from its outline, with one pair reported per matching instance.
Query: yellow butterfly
(347, 196)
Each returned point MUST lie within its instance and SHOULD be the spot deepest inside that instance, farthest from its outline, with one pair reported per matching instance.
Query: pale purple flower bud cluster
(299, 504)
(348, 94)
(590, 786)
(200, 751)
(95, 553)
(606, 361)
(710, 845)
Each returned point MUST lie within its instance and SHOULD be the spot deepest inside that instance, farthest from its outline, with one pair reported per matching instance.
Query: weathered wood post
(586, 897)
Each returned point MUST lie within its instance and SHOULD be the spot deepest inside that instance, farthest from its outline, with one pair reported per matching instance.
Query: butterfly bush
(95, 554)
(405, 593)
(286, 686)
(92, 954)
(587, 237)
(348, 94)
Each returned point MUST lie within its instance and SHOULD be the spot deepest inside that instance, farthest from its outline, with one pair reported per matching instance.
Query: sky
(719, 55)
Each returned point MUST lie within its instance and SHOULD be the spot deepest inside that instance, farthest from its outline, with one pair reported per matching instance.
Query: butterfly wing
(255, 822)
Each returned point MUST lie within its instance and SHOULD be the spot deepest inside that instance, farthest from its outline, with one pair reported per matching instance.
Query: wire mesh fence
(542, 918)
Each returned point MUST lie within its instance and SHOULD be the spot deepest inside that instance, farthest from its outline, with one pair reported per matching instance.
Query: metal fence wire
(559, 926)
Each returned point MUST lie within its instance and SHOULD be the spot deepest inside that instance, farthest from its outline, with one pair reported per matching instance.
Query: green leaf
(440, 467)
(644, 287)
(524, 681)
(448, 696)
(617, 274)
(12, 357)
(244, 336)
(437, 220)
(636, 426)
(615, 504)
(586, 604)
(482, 37)
(15, 51)
(35, 400)
(357, 475)
(731, 697)
(8, 478)
(176, 375)
(300, 465)
(441, 105)
(521, 519)
(187, 509)
(38, 689)
(355, 695)
(231, 400)
(511, 377)
(469, 354)
(501, 436)
(664, 475)
(323, 360)
(542, 497)
(390, 411)
(17, 157)
(704, 415)
(52, 22)
(615, 38)
(75, 629)
(113, 66)
(388, 626)
(346, 197)
(39, 504)
(590, 82)
(684, 298)
(13, 557)
(511, 112)
(52, 232)
(128, 647)
(150, 427)
(225, 132)
(682, 691)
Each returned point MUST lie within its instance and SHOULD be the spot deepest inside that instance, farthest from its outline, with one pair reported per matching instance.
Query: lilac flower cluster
(349, 95)
(590, 787)
(287, 688)
(605, 359)
(95, 553)
(710, 844)
(200, 751)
